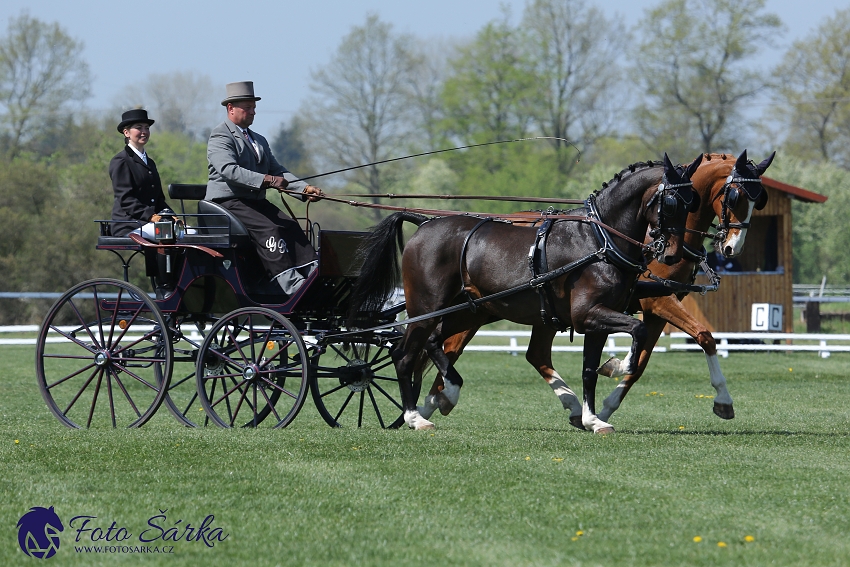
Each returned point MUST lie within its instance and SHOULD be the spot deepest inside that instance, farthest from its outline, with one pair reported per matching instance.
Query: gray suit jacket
(234, 170)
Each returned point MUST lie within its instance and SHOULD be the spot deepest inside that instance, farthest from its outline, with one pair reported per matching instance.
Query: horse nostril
(727, 251)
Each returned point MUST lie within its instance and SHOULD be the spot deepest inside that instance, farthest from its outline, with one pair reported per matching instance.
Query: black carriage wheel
(182, 399)
(252, 365)
(357, 387)
(103, 356)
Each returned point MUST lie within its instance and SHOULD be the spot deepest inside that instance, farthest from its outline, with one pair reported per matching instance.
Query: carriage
(211, 343)
(214, 346)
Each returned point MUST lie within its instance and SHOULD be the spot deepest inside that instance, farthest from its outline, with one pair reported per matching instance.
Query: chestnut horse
(456, 260)
(729, 189)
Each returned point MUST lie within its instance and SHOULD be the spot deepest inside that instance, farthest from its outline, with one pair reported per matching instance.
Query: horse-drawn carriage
(214, 346)
(212, 343)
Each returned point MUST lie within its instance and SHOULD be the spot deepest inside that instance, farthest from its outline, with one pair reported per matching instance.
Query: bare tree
(183, 102)
(694, 71)
(574, 50)
(359, 111)
(41, 73)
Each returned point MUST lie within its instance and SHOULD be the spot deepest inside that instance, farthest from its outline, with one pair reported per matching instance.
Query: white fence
(516, 342)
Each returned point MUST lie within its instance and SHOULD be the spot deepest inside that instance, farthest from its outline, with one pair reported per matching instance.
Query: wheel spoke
(126, 394)
(376, 408)
(94, 399)
(342, 409)
(77, 373)
(386, 395)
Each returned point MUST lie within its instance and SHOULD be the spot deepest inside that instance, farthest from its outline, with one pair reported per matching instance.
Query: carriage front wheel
(103, 356)
(252, 365)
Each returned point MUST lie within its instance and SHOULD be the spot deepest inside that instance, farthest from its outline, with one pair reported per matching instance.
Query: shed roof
(795, 192)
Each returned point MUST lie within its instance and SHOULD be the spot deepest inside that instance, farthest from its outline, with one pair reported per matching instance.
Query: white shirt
(143, 154)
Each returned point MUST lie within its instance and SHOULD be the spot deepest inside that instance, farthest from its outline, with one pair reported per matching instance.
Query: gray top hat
(238, 92)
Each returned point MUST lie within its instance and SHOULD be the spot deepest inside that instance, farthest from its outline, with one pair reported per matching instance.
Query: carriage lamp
(169, 229)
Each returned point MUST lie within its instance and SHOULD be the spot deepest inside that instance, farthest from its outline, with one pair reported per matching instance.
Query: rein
(534, 215)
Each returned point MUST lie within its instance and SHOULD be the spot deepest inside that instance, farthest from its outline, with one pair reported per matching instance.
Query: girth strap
(539, 265)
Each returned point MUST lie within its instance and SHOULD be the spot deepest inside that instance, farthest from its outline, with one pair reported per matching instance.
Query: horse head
(734, 189)
(666, 208)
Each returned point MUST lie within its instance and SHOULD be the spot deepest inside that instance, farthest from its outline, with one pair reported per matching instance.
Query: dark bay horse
(454, 260)
(729, 189)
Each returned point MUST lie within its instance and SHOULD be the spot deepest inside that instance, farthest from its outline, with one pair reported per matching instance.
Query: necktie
(250, 144)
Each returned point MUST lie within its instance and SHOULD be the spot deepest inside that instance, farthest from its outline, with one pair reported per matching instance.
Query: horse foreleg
(674, 312)
(539, 355)
(591, 354)
(654, 327)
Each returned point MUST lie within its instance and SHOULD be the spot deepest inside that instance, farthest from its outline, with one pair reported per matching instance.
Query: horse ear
(668, 166)
(695, 203)
(762, 167)
(741, 163)
(691, 169)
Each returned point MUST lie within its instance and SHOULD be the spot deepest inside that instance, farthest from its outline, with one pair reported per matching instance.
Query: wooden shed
(765, 267)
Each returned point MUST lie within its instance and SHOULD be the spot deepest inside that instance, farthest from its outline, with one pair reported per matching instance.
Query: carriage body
(213, 342)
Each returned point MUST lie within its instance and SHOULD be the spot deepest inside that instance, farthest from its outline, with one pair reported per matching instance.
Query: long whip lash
(444, 150)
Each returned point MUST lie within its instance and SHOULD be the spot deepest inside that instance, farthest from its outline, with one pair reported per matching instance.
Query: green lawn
(504, 480)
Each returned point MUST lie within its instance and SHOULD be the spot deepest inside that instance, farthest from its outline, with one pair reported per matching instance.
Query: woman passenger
(135, 180)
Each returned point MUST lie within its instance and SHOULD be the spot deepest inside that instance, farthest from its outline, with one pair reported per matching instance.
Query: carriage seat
(215, 219)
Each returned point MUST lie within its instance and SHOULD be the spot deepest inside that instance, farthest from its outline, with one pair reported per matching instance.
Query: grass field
(503, 481)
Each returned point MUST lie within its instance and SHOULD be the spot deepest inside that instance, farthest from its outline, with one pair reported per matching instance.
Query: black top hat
(135, 116)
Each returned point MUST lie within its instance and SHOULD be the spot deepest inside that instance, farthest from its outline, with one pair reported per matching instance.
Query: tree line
(682, 80)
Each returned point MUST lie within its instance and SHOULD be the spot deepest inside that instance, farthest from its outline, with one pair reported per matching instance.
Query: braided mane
(630, 169)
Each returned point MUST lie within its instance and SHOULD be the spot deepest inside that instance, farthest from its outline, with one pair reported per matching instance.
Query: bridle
(668, 197)
(731, 194)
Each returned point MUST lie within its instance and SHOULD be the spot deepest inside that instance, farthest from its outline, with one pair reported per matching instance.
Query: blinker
(668, 206)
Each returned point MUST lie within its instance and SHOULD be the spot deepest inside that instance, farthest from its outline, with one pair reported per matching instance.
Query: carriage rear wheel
(103, 357)
(354, 385)
(252, 365)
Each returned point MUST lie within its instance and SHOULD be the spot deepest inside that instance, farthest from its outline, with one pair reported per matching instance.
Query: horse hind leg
(405, 358)
(593, 345)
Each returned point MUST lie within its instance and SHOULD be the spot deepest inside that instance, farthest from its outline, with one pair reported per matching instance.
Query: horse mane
(618, 177)
(722, 157)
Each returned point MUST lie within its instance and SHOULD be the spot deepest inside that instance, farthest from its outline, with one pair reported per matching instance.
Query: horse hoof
(604, 430)
(724, 411)
(444, 404)
(575, 421)
(610, 366)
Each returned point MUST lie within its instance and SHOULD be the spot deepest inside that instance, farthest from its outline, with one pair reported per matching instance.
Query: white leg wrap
(612, 402)
(592, 422)
(718, 380)
(451, 391)
(426, 410)
(416, 421)
(568, 398)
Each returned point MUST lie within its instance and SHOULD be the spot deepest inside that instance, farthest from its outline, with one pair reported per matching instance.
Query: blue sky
(277, 43)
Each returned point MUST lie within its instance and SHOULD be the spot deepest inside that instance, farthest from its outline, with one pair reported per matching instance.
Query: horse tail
(380, 270)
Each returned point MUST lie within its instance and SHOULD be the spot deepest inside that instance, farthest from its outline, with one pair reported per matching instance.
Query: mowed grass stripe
(504, 480)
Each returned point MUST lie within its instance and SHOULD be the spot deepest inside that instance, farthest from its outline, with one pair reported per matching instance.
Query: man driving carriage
(241, 168)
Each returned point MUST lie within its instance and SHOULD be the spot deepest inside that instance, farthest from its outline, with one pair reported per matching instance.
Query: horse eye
(668, 206)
